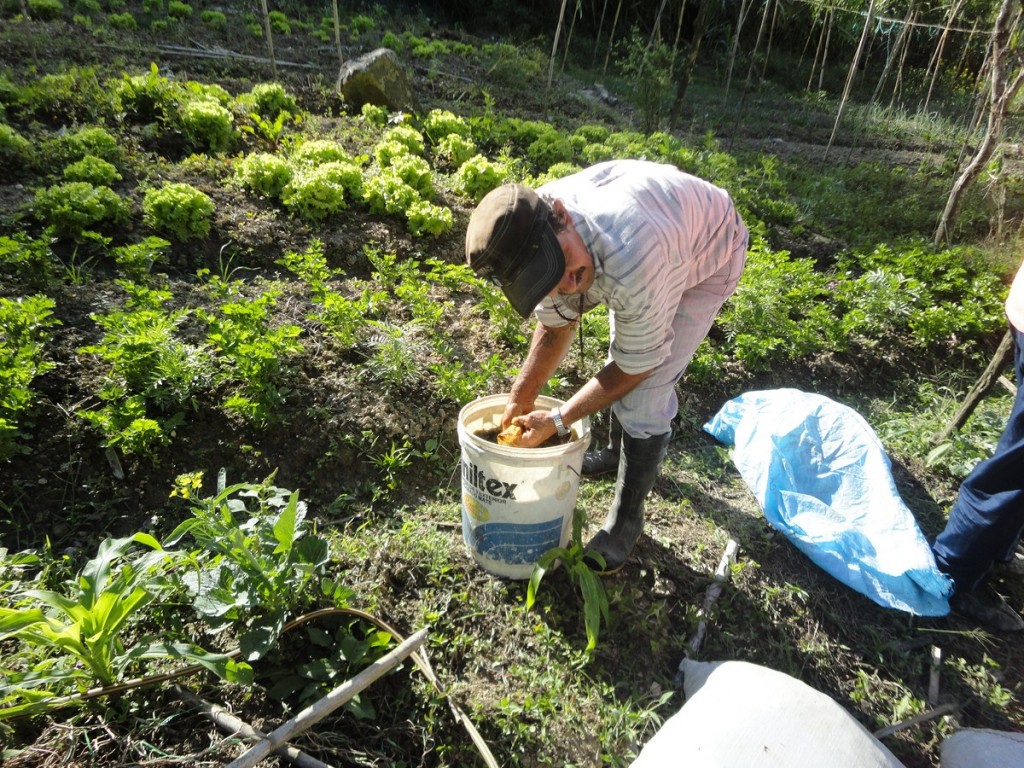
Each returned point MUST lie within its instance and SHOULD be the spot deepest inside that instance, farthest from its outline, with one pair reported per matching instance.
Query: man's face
(579, 264)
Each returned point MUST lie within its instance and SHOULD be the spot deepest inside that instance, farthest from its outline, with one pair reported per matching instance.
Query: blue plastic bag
(823, 479)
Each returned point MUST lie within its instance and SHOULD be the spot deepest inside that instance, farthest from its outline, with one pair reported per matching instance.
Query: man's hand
(537, 427)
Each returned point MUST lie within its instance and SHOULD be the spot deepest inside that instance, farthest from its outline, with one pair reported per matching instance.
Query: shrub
(123, 21)
(15, 151)
(319, 151)
(94, 170)
(440, 123)
(215, 20)
(387, 192)
(75, 206)
(270, 99)
(407, 135)
(45, 10)
(264, 174)
(316, 193)
(597, 153)
(208, 125)
(426, 218)
(178, 209)
(178, 10)
(478, 176)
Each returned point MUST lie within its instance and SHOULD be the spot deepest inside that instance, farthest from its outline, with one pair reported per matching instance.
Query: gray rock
(377, 78)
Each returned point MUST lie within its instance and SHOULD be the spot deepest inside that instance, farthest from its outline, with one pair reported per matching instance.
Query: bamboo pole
(849, 77)
(597, 38)
(771, 37)
(270, 37)
(568, 39)
(897, 48)
(554, 45)
(740, 19)
(757, 45)
(714, 591)
(611, 38)
(230, 724)
(939, 49)
(337, 34)
(313, 714)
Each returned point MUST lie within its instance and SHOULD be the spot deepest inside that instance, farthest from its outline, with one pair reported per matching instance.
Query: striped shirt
(654, 232)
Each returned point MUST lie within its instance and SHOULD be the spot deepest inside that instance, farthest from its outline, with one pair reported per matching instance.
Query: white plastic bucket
(517, 503)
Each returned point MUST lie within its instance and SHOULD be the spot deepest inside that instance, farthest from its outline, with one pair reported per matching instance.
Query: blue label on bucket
(514, 543)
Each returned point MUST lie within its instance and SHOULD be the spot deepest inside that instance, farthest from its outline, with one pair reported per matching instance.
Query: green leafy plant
(265, 174)
(478, 176)
(16, 154)
(24, 330)
(215, 20)
(374, 114)
(258, 560)
(387, 192)
(47, 10)
(94, 170)
(441, 123)
(313, 152)
(150, 368)
(122, 21)
(93, 141)
(75, 206)
(251, 354)
(178, 10)
(178, 209)
(425, 218)
(407, 136)
(208, 125)
(572, 558)
(84, 632)
(321, 191)
(148, 97)
(136, 260)
(29, 260)
(453, 150)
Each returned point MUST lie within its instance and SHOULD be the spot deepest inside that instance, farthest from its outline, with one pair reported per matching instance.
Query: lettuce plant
(387, 192)
(318, 152)
(425, 218)
(178, 209)
(207, 124)
(478, 176)
(316, 193)
(94, 170)
(75, 206)
(264, 173)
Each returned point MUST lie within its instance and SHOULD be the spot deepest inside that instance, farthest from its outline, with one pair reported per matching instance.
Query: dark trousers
(988, 517)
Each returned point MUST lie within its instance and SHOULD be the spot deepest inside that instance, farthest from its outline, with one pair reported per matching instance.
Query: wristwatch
(560, 428)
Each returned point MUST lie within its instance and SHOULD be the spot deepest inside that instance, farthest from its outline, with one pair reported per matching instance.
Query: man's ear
(561, 213)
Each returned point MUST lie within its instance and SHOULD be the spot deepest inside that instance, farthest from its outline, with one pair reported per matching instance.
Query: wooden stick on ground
(332, 701)
(711, 596)
(984, 384)
(231, 724)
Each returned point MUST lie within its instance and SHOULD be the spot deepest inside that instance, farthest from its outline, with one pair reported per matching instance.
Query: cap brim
(539, 276)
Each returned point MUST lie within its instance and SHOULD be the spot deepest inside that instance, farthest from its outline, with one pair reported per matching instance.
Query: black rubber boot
(638, 468)
(604, 459)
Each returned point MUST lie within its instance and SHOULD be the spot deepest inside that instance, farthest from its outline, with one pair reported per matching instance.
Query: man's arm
(547, 350)
(609, 385)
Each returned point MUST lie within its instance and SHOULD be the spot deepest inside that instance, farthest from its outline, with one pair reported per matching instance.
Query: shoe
(639, 461)
(1014, 566)
(604, 459)
(986, 607)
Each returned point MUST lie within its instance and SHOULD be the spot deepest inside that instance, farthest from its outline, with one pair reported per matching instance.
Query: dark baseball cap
(510, 242)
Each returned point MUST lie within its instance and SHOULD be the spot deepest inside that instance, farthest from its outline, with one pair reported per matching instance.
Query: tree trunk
(1002, 92)
(1003, 355)
(270, 38)
(850, 75)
